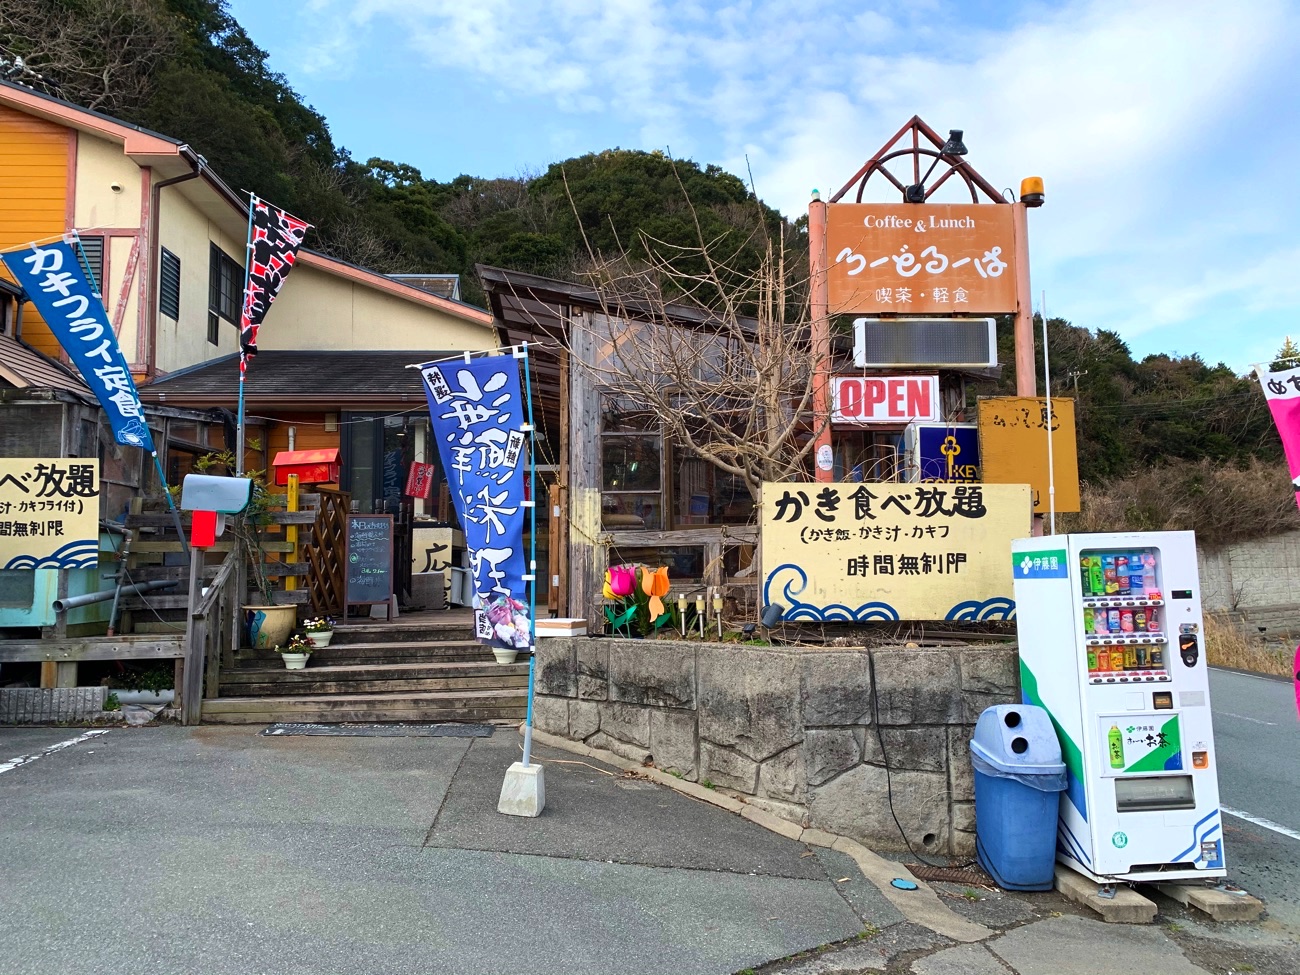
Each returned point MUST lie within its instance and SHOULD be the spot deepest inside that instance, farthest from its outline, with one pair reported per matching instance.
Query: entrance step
(388, 678)
(336, 654)
(456, 705)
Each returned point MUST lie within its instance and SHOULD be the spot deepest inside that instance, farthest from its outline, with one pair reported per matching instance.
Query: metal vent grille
(967, 342)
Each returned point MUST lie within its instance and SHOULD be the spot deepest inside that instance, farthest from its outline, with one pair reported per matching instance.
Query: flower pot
(505, 655)
(321, 638)
(145, 697)
(295, 661)
(269, 626)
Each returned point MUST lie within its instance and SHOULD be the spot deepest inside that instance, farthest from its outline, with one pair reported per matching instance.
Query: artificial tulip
(619, 582)
(655, 584)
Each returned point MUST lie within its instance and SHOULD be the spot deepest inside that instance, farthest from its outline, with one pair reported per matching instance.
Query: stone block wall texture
(50, 705)
(803, 731)
(1248, 577)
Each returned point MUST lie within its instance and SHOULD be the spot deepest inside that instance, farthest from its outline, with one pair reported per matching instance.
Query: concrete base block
(523, 793)
(1221, 905)
(1126, 907)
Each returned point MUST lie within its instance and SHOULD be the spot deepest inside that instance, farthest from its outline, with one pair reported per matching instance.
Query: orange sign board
(925, 258)
(1013, 447)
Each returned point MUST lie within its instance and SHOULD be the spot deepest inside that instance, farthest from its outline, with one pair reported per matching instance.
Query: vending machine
(1112, 645)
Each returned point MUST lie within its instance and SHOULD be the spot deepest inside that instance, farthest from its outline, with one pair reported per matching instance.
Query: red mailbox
(311, 466)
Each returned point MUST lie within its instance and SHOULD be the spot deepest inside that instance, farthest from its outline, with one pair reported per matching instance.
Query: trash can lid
(1018, 739)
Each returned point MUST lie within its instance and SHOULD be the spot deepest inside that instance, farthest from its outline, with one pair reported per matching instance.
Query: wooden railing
(211, 632)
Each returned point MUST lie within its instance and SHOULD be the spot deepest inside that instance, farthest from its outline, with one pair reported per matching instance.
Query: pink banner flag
(1282, 390)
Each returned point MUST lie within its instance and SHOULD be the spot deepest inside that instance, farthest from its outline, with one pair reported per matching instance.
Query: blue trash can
(1019, 777)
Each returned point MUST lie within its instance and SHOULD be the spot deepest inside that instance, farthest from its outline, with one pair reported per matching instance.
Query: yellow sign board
(865, 551)
(49, 513)
(1013, 447)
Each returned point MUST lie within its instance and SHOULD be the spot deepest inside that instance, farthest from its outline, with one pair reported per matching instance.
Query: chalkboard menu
(370, 558)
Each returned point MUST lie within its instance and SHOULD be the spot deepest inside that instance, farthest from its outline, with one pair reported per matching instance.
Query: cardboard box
(561, 626)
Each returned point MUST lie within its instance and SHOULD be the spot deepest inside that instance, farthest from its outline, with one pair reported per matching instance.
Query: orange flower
(655, 584)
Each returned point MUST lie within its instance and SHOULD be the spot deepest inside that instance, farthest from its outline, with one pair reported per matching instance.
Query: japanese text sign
(477, 415)
(925, 258)
(49, 513)
(419, 480)
(1013, 447)
(1139, 744)
(54, 279)
(1282, 391)
(859, 552)
(892, 400)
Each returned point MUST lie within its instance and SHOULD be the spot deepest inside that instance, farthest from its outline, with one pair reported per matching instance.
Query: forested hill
(187, 69)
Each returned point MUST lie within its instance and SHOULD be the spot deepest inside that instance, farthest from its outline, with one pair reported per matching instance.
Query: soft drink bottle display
(1141, 654)
(1130, 658)
(1156, 656)
(1126, 621)
(1121, 574)
(1136, 580)
(1149, 572)
(1112, 621)
(1108, 573)
(1116, 739)
(1092, 658)
(1096, 576)
(1085, 577)
(1153, 620)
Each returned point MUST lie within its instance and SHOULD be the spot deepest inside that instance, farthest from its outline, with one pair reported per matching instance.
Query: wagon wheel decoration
(934, 161)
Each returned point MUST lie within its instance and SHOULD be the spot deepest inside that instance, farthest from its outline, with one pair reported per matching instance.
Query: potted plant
(296, 651)
(267, 624)
(320, 629)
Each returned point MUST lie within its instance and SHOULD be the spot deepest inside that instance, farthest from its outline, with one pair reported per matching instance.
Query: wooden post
(584, 472)
(195, 640)
(819, 299)
(291, 531)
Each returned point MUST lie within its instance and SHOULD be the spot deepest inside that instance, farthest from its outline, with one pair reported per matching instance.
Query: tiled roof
(293, 376)
(23, 367)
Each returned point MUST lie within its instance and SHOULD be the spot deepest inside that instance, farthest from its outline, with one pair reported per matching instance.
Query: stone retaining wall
(50, 705)
(791, 727)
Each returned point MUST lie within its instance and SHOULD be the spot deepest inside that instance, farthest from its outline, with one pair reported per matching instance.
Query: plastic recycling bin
(1019, 777)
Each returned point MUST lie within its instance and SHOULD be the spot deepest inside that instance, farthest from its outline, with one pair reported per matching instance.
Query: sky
(1167, 132)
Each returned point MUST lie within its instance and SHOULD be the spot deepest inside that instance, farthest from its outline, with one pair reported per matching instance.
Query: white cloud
(1137, 114)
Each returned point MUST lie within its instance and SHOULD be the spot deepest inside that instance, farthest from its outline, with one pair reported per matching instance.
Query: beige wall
(186, 232)
(100, 164)
(318, 310)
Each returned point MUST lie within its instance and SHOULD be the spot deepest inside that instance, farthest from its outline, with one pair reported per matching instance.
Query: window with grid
(169, 286)
(225, 284)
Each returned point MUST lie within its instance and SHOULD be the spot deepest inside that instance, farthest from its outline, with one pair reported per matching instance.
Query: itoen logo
(885, 399)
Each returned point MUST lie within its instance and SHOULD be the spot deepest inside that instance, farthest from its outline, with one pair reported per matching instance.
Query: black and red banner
(274, 239)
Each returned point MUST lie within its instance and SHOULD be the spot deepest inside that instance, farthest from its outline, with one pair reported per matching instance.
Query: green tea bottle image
(1116, 747)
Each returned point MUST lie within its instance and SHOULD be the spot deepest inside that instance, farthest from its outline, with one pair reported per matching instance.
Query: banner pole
(171, 504)
(532, 557)
(243, 359)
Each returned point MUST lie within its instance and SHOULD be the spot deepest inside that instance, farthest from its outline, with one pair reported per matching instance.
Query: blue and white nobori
(54, 280)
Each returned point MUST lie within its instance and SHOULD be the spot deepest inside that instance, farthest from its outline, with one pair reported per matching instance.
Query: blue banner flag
(55, 281)
(478, 422)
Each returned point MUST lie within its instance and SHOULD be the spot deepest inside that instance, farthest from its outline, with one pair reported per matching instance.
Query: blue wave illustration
(81, 554)
(972, 610)
(800, 611)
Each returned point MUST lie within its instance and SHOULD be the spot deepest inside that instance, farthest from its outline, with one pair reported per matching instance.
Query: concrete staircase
(423, 669)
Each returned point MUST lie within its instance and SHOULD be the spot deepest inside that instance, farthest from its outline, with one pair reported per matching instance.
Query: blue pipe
(532, 557)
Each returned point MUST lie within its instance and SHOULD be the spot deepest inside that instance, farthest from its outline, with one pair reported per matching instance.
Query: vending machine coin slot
(1189, 649)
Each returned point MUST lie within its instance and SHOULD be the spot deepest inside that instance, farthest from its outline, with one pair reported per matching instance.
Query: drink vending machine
(1112, 645)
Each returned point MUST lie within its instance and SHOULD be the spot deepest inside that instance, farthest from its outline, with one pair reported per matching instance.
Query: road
(1257, 741)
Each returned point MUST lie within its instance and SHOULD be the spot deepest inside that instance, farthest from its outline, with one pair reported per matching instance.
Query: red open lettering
(875, 394)
(850, 397)
(918, 399)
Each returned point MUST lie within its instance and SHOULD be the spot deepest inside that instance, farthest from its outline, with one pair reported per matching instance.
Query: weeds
(1227, 645)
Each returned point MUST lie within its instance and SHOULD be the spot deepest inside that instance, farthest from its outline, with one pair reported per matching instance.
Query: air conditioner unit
(953, 343)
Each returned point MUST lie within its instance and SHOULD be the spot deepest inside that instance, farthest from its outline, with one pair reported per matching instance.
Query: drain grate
(972, 876)
(445, 730)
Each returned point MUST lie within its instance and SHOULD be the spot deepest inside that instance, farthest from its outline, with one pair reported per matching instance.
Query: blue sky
(1167, 131)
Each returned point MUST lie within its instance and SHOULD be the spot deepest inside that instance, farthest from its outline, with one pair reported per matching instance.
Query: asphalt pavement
(1257, 742)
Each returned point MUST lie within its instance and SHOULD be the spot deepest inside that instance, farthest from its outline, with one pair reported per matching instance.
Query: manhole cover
(286, 729)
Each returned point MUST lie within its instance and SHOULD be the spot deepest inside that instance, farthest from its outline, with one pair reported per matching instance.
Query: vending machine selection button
(1163, 700)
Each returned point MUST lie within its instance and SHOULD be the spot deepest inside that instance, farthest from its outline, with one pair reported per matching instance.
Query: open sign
(884, 399)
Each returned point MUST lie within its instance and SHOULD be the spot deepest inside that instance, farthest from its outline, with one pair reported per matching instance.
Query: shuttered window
(169, 285)
(93, 248)
(225, 282)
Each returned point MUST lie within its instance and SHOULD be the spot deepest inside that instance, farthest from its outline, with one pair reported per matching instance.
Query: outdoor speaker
(772, 615)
